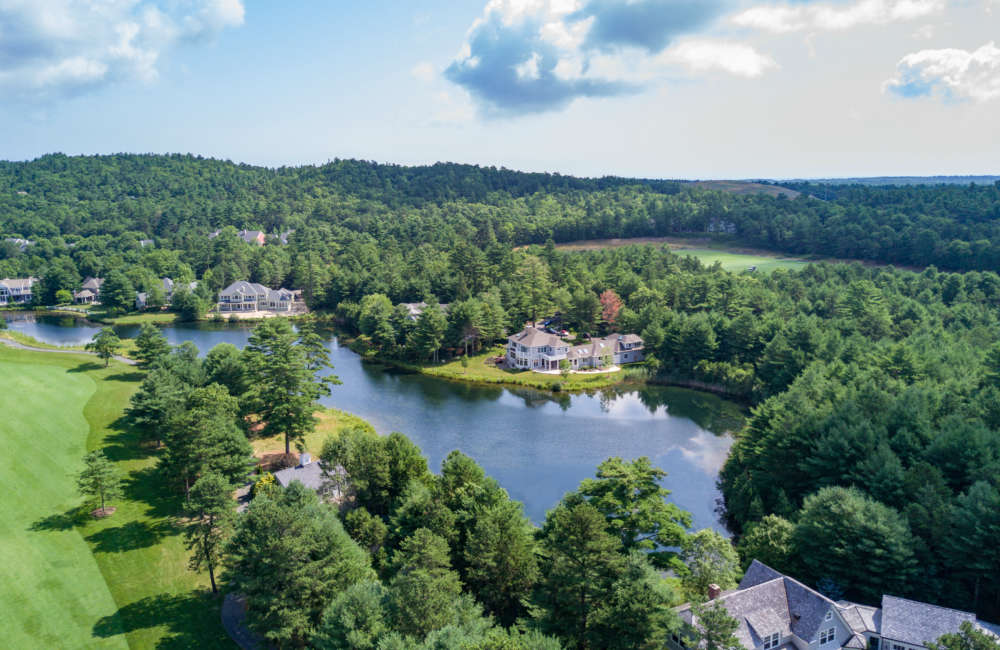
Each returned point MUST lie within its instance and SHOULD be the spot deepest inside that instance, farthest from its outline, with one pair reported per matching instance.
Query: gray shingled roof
(533, 337)
(917, 623)
(758, 573)
(310, 475)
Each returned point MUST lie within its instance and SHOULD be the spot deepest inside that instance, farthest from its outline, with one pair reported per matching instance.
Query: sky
(647, 88)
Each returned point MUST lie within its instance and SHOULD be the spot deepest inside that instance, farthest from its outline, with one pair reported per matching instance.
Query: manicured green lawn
(737, 262)
(69, 580)
(51, 587)
(482, 372)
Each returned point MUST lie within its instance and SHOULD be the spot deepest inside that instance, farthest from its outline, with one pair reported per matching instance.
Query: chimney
(714, 591)
(304, 459)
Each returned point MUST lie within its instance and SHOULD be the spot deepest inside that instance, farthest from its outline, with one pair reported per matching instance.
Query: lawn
(69, 580)
(330, 423)
(737, 262)
(481, 371)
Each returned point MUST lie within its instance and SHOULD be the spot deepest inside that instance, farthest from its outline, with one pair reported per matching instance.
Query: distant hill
(747, 187)
(903, 180)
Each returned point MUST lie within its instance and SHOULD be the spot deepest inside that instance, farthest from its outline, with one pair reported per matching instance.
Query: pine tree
(210, 511)
(100, 480)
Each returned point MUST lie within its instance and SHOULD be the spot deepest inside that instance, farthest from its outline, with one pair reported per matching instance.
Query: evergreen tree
(151, 345)
(423, 593)
(210, 512)
(290, 557)
(502, 566)
(635, 506)
(356, 619)
(117, 292)
(284, 385)
(99, 480)
(715, 628)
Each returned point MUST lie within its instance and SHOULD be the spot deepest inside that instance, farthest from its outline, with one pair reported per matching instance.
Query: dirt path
(21, 346)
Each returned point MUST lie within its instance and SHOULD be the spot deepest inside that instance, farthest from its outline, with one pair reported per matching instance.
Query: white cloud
(52, 48)
(530, 56)
(949, 73)
(423, 71)
(707, 55)
(783, 18)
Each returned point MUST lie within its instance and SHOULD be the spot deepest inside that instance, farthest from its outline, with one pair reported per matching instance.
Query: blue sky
(656, 88)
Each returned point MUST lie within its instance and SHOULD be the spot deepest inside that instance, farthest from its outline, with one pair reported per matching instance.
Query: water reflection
(539, 445)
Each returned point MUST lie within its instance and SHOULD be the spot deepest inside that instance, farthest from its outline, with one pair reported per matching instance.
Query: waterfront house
(16, 291)
(168, 285)
(90, 291)
(243, 296)
(310, 473)
(535, 349)
(775, 611)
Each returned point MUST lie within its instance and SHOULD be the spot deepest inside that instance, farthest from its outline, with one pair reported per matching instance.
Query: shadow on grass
(192, 620)
(60, 521)
(127, 442)
(87, 367)
(127, 376)
(131, 536)
(149, 486)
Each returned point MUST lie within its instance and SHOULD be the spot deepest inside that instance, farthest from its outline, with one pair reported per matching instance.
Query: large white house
(774, 611)
(246, 296)
(16, 290)
(535, 349)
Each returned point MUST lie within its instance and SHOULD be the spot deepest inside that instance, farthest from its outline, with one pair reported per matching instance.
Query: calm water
(538, 446)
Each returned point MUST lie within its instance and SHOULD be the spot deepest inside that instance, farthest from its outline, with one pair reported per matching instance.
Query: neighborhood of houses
(542, 351)
(776, 611)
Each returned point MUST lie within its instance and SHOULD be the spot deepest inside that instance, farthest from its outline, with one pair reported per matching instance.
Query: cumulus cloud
(529, 56)
(949, 73)
(783, 18)
(55, 48)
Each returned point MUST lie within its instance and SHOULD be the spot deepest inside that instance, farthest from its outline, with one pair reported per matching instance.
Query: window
(827, 636)
(829, 615)
(772, 641)
(896, 646)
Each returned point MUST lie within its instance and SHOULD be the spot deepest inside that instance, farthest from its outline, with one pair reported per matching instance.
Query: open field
(737, 262)
(732, 258)
(69, 580)
(747, 187)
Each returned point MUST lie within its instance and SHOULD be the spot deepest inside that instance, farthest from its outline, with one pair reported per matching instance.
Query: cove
(538, 445)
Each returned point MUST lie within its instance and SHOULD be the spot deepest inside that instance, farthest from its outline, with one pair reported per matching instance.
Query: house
(310, 473)
(414, 309)
(775, 611)
(90, 291)
(145, 242)
(249, 236)
(243, 296)
(16, 290)
(535, 349)
(22, 244)
(141, 298)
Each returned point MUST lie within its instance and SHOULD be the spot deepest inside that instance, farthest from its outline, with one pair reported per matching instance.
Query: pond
(538, 445)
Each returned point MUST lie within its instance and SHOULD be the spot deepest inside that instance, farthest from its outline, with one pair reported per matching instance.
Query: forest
(870, 462)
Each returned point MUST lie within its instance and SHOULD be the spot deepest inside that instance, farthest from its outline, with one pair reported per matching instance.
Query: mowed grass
(482, 372)
(80, 582)
(737, 262)
(51, 587)
(330, 422)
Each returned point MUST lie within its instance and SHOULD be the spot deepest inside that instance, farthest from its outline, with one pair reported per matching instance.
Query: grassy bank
(127, 349)
(479, 371)
(70, 580)
(330, 423)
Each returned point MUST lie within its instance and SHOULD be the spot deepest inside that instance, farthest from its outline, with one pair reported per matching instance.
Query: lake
(538, 445)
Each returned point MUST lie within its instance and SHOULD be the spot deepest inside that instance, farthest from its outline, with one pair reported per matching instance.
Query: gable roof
(917, 623)
(533, 337)
(18, 283)
(244, 287)
(757, 573)
(310, 475)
